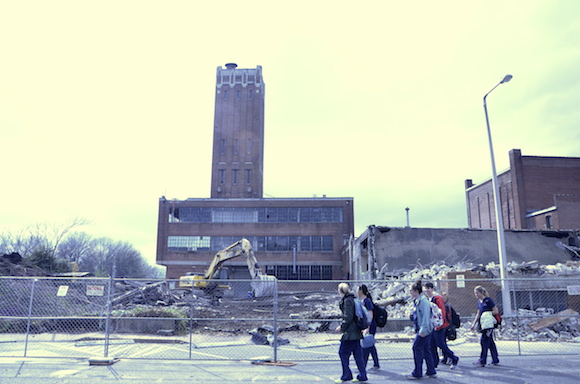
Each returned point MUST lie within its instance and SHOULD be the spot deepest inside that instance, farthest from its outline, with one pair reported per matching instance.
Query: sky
(107, 106)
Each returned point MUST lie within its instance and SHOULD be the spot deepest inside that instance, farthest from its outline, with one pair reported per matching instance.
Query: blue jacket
(423, 315)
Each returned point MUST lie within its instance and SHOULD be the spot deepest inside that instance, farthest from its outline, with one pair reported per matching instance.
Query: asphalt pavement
(560, 369)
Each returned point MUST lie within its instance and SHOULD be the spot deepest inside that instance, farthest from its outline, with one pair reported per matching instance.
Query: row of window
(259, 243)
(256, 215)
(300, 272)
(235, 176)
(239, 94)
(237, 78)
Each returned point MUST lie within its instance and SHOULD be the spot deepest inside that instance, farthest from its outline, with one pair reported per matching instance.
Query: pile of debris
(391, 291)
(12, 264)
(544, 325)
(130, 293)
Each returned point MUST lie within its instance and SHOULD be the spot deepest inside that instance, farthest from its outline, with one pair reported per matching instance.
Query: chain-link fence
(289, 321)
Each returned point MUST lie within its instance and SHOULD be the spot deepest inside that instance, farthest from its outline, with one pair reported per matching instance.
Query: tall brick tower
(238, 139)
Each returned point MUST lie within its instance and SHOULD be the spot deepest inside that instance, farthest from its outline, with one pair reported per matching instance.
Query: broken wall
(405, 248)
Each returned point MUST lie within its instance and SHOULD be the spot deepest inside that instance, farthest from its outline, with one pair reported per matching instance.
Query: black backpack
(452, 316)
(380, 315)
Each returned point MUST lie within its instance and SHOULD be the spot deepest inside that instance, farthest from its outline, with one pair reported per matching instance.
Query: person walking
(367, 301)
(351, 336)
(486, 310)
(438, 336)
(423, 328)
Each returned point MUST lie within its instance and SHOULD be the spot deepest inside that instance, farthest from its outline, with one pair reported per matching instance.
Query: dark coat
(348, 327)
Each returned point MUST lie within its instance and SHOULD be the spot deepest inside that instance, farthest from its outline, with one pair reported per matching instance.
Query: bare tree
(55, 247)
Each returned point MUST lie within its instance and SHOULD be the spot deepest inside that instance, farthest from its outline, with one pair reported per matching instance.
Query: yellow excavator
(262, 285)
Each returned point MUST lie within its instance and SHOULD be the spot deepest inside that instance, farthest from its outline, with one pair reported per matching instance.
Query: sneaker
(433, 376)
(495, 363)
(376, 367)
(478, 363)
(355, 380)
(338, 381)
(411, 377)
(444, 362)
(454, 363)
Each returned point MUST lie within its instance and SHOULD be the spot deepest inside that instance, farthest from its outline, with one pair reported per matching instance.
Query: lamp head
(506, 79)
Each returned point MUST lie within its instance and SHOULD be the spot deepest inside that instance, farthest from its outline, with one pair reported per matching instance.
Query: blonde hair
(481, 290)
(343, 288)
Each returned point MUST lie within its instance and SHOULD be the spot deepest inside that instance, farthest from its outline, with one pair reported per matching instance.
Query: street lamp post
(505, 292)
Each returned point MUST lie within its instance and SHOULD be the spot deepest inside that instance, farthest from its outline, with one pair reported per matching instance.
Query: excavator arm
(241, 247)
(262, 285)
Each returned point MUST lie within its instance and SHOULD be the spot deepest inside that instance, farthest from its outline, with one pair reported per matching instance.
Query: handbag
(367, 341)
(451, 332)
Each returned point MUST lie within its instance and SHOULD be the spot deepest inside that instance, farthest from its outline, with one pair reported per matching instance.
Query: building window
(248, 176)
(254, 215)
(222, 146)
(259, 243)
(235, 176)
(236, 146)
(548, 221)
(188, 243)
(249, 147)
(238, 95)
(250, 94)
(300, 272)
(225, 94)
(222, 176)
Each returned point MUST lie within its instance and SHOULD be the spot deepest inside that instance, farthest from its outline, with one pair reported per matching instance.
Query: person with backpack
(367, 300)
(351, 336)
(486, 310)
(422, 344)
(438, 336)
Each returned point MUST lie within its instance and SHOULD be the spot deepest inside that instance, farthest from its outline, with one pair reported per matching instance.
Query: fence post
(275, 310)
(29, 315)
(191, 322)
(512, 289)
(109, 307)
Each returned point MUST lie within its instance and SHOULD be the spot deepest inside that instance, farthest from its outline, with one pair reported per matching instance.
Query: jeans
(422, 351)
(348, 347)
(487, 343)
(439, 340)
(373, 352)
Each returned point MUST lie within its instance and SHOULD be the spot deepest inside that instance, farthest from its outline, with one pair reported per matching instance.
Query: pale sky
(105, 106)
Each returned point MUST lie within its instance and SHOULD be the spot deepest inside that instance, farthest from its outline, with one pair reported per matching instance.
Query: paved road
(559, 369)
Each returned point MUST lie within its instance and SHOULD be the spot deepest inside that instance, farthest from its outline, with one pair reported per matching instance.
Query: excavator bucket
(263, 285)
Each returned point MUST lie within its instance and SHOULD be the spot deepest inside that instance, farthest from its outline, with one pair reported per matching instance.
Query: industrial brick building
(294, 238)
(536, 192)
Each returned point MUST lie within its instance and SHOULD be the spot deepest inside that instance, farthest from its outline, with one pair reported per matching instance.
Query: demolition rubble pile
(542, 324)
(318, 311)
